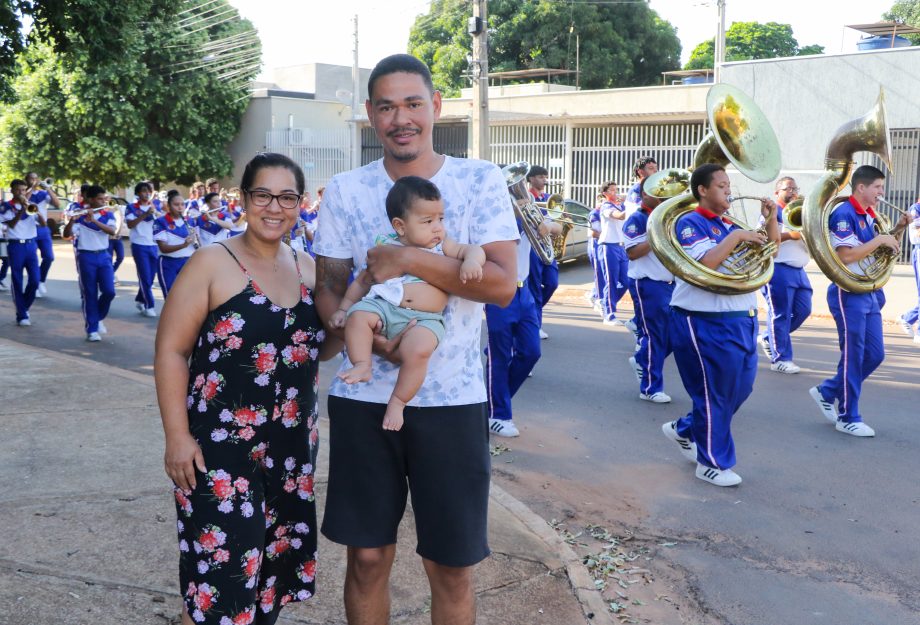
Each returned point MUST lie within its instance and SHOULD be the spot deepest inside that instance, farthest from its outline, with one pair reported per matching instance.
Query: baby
(416, 212)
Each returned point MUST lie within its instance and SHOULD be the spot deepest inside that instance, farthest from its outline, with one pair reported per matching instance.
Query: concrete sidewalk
(88, 522)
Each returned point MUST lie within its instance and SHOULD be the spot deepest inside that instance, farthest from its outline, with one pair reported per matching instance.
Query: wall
(321, 79)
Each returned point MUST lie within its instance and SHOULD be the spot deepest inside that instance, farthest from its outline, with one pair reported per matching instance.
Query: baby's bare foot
(360, 372)
(393, 419)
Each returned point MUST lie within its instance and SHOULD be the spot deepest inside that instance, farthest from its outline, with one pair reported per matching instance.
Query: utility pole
(478, 28)
(720, 43)
(355, 103)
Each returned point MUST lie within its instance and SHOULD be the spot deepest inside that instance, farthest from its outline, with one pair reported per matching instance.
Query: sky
(322, 31)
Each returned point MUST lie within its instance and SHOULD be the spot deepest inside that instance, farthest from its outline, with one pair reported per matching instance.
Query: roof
(681, 73)
(531, 73)
(888, 29)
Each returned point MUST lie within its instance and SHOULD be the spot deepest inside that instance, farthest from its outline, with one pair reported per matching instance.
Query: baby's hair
(405, 191)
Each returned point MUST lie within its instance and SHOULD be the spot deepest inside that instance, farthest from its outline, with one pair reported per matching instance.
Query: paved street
(821, 531)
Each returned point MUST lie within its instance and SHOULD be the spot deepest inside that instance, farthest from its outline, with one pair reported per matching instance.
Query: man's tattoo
(332, 274)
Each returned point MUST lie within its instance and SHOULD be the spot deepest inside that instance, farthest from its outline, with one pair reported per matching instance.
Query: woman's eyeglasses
(264, 198)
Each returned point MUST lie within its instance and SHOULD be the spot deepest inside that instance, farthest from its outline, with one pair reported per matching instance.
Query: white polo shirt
(611, 229)
(27, 226)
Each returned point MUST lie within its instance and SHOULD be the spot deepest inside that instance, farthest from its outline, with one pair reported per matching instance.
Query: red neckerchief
(170, 221)
(648, 211)
(860, 210)
(708, 214)
(536, 195)
(780, 205)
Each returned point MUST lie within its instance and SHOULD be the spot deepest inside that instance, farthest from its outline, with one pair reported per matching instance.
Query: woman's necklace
(274, 259)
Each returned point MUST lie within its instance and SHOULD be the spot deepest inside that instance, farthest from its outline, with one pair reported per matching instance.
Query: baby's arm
(355, 291)
(473, 258)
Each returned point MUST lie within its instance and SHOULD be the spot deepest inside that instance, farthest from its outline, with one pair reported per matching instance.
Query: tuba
(867, 133)
(742, 136)
(524, 208)
(569, 214)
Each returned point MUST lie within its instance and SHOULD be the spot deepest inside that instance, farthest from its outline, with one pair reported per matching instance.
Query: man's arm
(331, 284)
(637, 251)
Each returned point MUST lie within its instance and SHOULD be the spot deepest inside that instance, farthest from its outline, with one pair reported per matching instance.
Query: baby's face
(424, 223)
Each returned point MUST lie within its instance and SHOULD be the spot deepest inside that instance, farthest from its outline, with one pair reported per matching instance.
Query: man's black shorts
(440, 456)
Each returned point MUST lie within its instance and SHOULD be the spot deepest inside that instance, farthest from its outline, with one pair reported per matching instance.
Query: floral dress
(247, 536)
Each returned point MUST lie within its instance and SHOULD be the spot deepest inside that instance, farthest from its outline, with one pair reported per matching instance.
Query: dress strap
(233, 256)
(297, 264)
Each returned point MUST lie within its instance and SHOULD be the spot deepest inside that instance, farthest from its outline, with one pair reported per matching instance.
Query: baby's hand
(470, 270)
(338, 319)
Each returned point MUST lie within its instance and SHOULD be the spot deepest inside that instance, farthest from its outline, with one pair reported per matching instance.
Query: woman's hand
(183, 456)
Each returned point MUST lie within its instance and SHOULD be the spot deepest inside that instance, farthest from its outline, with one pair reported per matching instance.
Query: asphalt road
(823, 529)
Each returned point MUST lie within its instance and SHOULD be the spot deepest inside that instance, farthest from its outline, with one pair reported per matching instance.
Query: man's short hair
(780, 182)
(607, 185)
(702, 177)
(396, 63)
(140, 186)
(93, 190)
(536, 170)
(211, 181)
(210, 196)
(197, 184)
(16, 182)
(642, 162)
(405, 191)
(865, 174)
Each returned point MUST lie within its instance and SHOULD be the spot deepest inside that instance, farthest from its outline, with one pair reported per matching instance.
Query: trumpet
(749, 257)
(85, 211)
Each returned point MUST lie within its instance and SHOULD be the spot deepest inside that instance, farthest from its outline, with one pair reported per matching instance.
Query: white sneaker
(502, 427)
(687, 447)
(656, 398)
(140, 307)
(93, 337)
(857, 428)
(637, 368)
(589, 296)
(24, 322)
(908, 329)
(612, 321)
(597, 305)
(632, 327)
(4, 286)
(917, 338)
(827, 408)
(543, 335)
(102, 328)
(785, 366)
(723, 477)
(150, 312)
(42, 290)
(764, 341)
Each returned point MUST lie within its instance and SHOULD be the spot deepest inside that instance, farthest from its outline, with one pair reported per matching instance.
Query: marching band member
(543, 279)
(213, 222)
(21, 232)
(594, 229)
(789, 292)
(4, 258)
(858, 315)
(195, 197)
(305, 226)
(41, 194)
(176, 240)
(651, 288)
(611, 255)
(94, 262)
(139, 217)
(909, 319)
(713, 336)
(116, 245)
(645, 167)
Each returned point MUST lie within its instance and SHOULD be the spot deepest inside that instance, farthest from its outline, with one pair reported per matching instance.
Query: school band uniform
(713, 339)
(172, 232)
(594, 223)
(96, 271)
(239, 224)
(146, 256)
(613, 260)
(858, 317)
(43, 240)
(210, 232)
(543, 279)
(4, 259)
(301, 242)
(633, 200)
(651, 287)
(910, 318)
(788, 295)
(22, 249)
(116, 245)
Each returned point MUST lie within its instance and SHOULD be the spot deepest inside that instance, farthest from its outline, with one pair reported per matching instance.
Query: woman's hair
(172, 193)
(93, 190)
(271, 159)
(210, 196)
(702, 177)
(405, 191)
(140, 186)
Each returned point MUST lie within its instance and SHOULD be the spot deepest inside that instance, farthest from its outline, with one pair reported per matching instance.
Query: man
(789, 292)
(441, 453)
(21, 232)
(611, 255)
(909, 319)
(195, 198)
(858, 315)
(97, 275)
(42, 195)
(543, 280)
(651, 287)
(645, 166)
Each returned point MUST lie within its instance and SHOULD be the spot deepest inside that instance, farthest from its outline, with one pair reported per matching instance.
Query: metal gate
(320, 153)
(538, 145)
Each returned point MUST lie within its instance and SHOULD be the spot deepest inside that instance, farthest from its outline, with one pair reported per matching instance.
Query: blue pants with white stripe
(97, 286)
(595, 268)
(117, 248)
(913, 315)
(23, 257)
(614, 265)
(788, 296)
(653, 318)
(717, 361)
(543, 280)
(145, 260)
(514, 349)
(169, 269)
(862, 349)
(46, 247)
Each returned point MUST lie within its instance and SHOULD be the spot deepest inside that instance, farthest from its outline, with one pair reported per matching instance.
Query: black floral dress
(247, 533)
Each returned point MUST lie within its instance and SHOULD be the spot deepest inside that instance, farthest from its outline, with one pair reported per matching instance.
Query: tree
(751, 40)
(153, 104)
(11, 40)
(907, 11)
(622, 45)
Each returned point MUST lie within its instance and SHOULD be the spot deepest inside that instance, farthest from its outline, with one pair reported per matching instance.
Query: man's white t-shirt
(477, 210)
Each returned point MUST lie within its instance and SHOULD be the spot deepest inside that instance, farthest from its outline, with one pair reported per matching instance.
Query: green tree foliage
(751, 40)
(622, 45)
(11, 40)
(127, 91)
(908, 11)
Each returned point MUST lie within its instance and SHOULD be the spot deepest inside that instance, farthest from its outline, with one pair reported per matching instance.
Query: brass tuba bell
(531, 217)
(742, 136)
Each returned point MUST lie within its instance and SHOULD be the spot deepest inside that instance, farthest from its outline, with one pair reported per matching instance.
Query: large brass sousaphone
(868, 133)
(742, 136)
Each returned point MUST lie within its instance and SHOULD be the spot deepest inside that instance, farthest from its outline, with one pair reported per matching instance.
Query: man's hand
(387, 261)
(388, 349)
(767, 205)
(749, 236)
(887, 240)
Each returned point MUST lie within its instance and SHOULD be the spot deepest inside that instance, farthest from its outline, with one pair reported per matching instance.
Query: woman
(176, 240)
(240, 419)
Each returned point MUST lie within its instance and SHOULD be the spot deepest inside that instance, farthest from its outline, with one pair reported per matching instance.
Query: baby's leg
(359, 340)
(415, 349)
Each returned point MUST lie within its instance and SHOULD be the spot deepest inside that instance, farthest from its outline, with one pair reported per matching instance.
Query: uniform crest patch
(716, 230)
(687, 232)
(842, 226)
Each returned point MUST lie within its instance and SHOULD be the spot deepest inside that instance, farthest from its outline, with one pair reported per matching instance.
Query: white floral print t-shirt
(477, 210)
